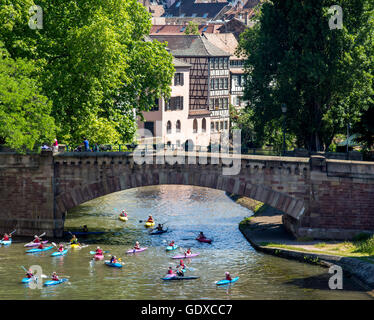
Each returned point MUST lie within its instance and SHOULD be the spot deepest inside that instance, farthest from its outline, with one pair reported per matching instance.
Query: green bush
(366, 246)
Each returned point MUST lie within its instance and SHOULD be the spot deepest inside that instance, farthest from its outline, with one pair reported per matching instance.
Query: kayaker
(29, 274)
(6, 237)
(123, 213)
(99, 252)
(55, 277)
(60, 247)
(150, 219)
(85, 229)
(74, 240)
(170, 270)
(181, 264)
(113, 259)
(40, 246)
(188, 252)
(137, 245)
(172, 243)
(228, 277)
(37, 239)
(201, 236)
(180, 271)
(159, 227)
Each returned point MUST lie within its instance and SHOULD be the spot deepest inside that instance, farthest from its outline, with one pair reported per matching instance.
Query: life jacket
(99, 252)
(29, 275)
(55, 278)
(40, 246)
(60, 249)
(36, 241)
(74, 241)
(188, 252)
(228, 277)
(6, 238)
(170, 271)
(150, 219)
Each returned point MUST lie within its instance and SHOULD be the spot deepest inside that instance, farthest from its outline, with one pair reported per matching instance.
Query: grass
(363, 248)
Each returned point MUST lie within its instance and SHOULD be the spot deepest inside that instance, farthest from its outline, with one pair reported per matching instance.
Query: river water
(186, 210)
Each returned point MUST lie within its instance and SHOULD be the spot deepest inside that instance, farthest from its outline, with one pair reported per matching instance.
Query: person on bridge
(86, 145)
(150, 219)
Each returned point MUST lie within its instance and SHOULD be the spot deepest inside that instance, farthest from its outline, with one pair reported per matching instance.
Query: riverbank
(265, 231)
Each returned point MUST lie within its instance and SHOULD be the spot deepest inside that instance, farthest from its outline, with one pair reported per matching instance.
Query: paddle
(94, 252)
(10, 234)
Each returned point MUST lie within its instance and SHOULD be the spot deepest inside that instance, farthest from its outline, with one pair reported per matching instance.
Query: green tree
(24, 112)
(93, 62)
(321, 74)
(192, 28)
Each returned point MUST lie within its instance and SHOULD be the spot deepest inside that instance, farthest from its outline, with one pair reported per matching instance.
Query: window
(212, 126)
(193, 15)
(178, 4)
(178, 126)
(205, 15)
(226, 125)
(155, 107)
(237, 101)
(216, 84)
(212, 84)
(194, 126)
(220, 103)
(226, 63)
(215, 63)
(150, 125)
(178, 142)
(221, 125)
(168, 127)
(211, 104)
(183, 28)
(203, 125)
(175, 103)
(221, 83)
(221, 63)
(217, 126)
(179, 79)
(226, 83)
(205, 29)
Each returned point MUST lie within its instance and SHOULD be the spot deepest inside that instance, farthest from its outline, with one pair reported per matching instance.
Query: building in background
(209, 84)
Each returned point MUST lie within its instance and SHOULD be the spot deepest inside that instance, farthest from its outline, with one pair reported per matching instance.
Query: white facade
(170, 121)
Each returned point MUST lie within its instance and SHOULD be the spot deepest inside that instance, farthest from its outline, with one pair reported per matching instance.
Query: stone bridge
(320, 198)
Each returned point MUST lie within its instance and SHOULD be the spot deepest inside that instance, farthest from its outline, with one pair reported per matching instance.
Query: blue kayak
(28, 280)
(170, 248)
(58, 253)
(180, 278)
(114, 265)
(5, 243)
(39, 250)
(223, 282)
(53, 282)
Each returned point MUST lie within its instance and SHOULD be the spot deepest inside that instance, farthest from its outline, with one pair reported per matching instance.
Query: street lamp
(284, 110)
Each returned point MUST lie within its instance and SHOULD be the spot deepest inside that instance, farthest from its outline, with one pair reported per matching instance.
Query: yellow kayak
(123, 218)
(149, 224)
(75, 246)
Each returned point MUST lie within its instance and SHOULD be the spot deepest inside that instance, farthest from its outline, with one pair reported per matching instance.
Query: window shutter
(182, 78)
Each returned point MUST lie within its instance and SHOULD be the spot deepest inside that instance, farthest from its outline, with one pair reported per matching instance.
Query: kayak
(99, 256)
(6, 242)
(75, 246)
(38, 250)
(174, 277)
(28, 280)
(158, 232)
(53, 282)
(136, 250)
(149, 224)
(170, 248)
(182, 256)
(204, 240)
(58, 253)
(223, 282)
(123, 218)
(114, 265)
(34, 244)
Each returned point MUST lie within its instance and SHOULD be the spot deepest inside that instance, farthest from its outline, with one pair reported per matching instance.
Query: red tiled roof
(179, 29)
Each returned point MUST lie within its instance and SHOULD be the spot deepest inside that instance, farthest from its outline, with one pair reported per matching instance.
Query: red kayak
(204, 240)
(99, 256)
